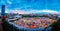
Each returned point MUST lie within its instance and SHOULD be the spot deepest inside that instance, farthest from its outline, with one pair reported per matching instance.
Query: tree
(56, 25)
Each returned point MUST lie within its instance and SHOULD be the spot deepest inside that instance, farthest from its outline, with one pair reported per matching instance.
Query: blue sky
(30, 6)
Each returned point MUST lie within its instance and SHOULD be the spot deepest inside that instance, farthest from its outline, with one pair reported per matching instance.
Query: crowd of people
(35, 22)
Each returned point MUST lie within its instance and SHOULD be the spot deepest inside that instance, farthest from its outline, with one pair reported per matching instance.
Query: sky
(31, 6)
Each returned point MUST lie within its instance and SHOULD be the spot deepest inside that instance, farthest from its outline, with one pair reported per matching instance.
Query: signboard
(3, 10)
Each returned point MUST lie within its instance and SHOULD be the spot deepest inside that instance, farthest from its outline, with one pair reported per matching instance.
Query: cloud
(44, 11)
(0, 10)
(34, 11)
(5, 11)
(50, 11)
(9, 2)
(17, 11)
(30, 11)
(41, 11)
(2, 2)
